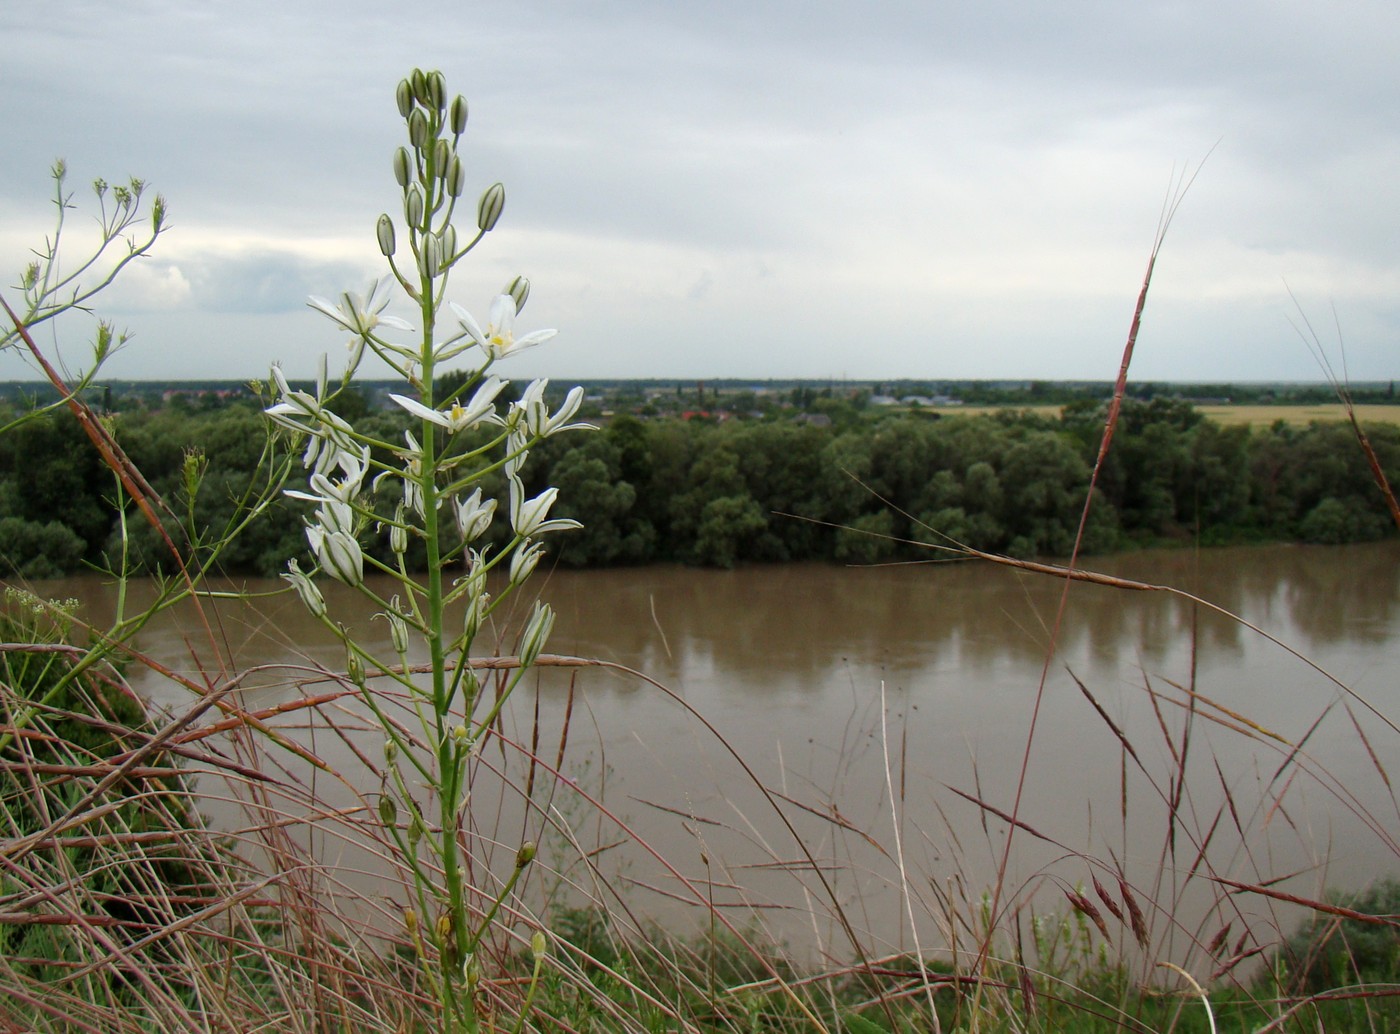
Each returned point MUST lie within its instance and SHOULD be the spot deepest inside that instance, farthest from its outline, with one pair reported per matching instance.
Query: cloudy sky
(815, 188)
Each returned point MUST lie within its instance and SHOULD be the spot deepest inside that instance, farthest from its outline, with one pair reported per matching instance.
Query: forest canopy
(856, 490)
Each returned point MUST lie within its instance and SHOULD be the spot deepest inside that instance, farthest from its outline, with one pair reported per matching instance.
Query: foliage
(642, 488)
(1331, 951)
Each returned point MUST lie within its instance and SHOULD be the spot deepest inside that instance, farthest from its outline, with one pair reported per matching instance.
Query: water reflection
(819, 675)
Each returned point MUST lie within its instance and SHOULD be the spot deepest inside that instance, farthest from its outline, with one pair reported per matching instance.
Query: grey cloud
(807, 135)
(265, 281)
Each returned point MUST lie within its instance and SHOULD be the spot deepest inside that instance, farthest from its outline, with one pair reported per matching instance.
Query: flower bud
(403, 167)
(196, 464)
(388, 811)
(457, 115)
(518, 289)
(384, 230)
(447, 239)
(472, 615)
(541, 622)
(413, 206)
(456, 180)
(415, 830)
(436, 86)
(418, 83)
(355, 669)
(403, 97)
(398, 539)
(398, 632)
(471, 973)
(442, 157)
(391, 750)
(539, 945)
(430, 256)
(489, 209)
(525, 855)
(410, 921)
(418, 132)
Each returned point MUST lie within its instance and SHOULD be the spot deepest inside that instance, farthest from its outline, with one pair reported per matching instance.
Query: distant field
(1298, 416)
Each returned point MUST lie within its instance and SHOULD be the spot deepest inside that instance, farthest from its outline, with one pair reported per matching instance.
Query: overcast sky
(745, 188)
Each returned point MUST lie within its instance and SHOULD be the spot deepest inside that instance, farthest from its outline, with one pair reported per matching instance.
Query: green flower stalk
(437, 474)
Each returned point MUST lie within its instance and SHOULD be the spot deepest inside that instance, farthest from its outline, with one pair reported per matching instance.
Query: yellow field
(1050, 411)
(1298, 416)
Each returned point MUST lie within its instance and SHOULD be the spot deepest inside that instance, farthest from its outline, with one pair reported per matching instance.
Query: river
(869, 704)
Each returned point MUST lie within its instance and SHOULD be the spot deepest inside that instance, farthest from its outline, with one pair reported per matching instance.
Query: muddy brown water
(869, 704)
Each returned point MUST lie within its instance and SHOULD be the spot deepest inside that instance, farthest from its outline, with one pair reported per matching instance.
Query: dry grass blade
(1173, 200)
(1341, 387)
(1112, 725)
(1315, 905)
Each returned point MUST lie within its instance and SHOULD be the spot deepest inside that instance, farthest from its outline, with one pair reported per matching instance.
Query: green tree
(728, 527)
(592, 492)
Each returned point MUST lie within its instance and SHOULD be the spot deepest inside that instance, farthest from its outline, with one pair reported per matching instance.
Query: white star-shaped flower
(499, 340)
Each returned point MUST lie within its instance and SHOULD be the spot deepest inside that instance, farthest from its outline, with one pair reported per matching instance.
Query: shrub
(1332, 951)
(29, 549)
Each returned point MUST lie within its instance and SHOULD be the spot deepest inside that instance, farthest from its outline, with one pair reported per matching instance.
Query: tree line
(722, 493)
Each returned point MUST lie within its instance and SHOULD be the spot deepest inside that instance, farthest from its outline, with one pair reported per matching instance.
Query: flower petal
(421, 411)
(468, 323)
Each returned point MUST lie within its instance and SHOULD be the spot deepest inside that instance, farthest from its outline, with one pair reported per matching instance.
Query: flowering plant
(434, 480)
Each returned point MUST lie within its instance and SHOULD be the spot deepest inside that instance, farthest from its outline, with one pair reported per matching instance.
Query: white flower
(411, 473)
(532, 413)
(338, 552)
(294, 407)
(499, 340)
(474, 516)
(326, 444)
(360, 314)
(524, 561)
(413, 486)
(480, 410)
(353, 469)
(306, 589)
(517, 451)
(527, 516)
(472, 589)
(327, 434)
